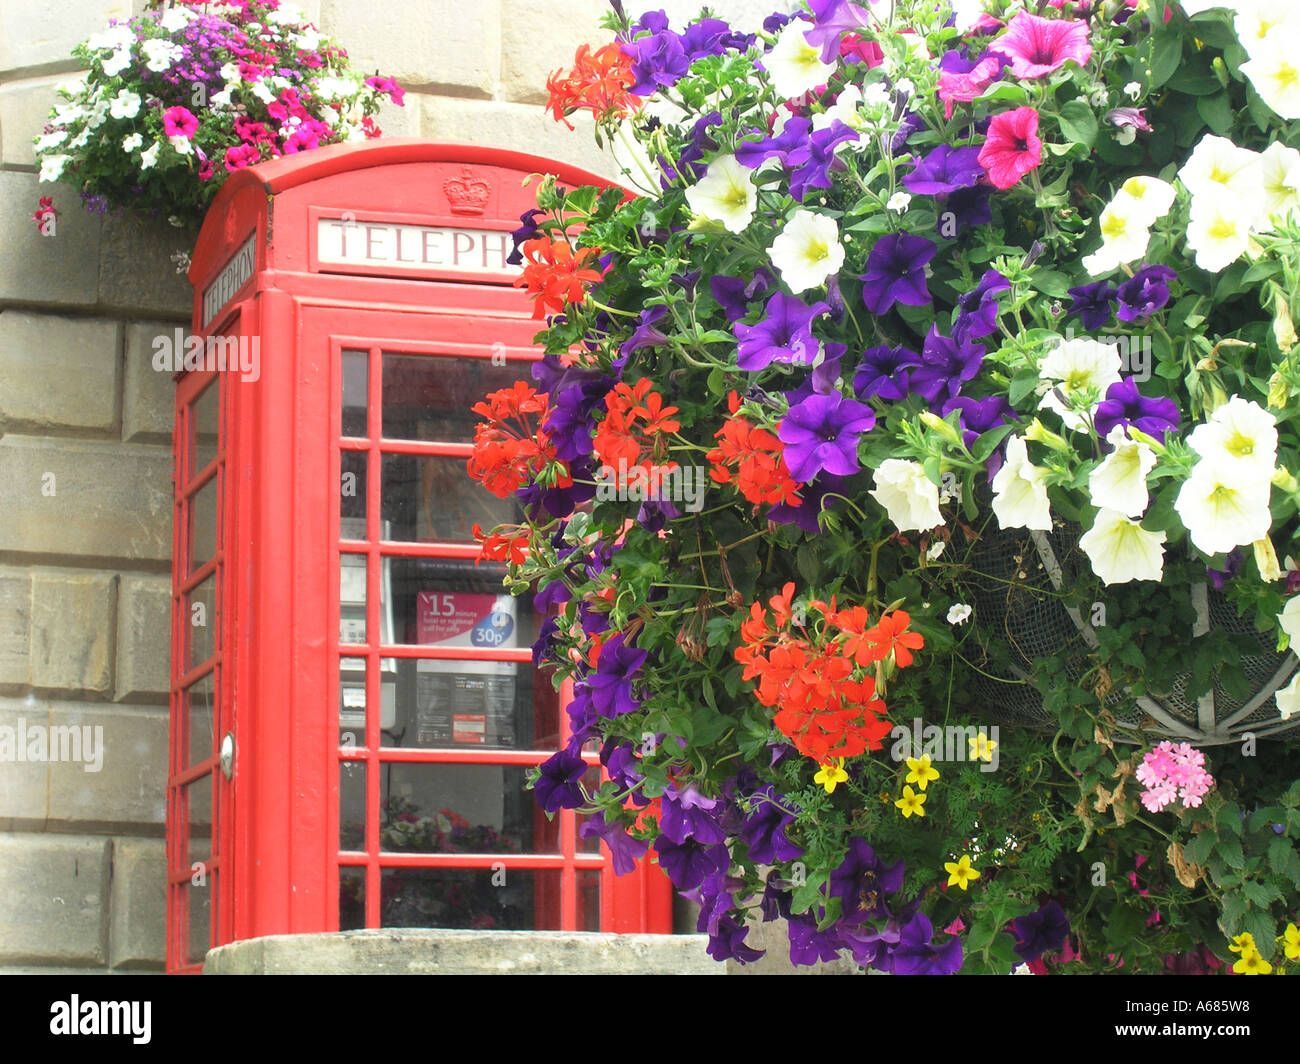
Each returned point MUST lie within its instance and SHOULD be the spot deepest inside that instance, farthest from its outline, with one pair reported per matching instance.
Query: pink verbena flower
(1037, 46)
(1159, 796)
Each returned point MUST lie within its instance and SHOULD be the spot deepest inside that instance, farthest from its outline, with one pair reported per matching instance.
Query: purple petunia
(896, 272)
(811, 496)
(784, 334)
(1041, 932)
(1145, 292)
(764, 828)
(733, 293)
(832, 19)
(1092, 302)
(916, 954)
(821, 433)
(945, 170)
(883, 372)
(862, 876)
(1125, 405)
(560, 784)
(946, 364)
(791, 147)
(687, 814)
(623, 848)
(611, 684)
(689, 863)
(978, 315)
(965, 208)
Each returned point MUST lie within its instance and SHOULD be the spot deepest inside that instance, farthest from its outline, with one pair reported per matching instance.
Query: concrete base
(400, 951)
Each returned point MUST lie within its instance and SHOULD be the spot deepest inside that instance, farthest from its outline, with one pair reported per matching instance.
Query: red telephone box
(354, 705)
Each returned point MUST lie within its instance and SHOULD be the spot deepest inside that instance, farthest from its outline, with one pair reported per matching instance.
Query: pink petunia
(1012, 147)
(1037, 46)
(179, 122)
(241, 155)
(962, 88)
(388, 87)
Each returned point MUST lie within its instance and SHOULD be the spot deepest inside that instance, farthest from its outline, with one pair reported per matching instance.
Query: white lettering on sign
(390, 246)
(233, 276)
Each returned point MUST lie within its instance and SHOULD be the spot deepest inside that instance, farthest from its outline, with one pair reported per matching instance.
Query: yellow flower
(829, 775)
(981, 748)
(919, 771)
(1252, 963)
(960, 873)
(1243, 942)
(911, 802)
(1291, 942)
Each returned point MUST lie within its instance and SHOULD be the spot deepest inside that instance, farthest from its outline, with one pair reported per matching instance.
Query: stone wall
(85, 438)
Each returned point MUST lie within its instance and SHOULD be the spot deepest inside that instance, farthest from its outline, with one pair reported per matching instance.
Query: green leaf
(1260, 894)
(1216, 110)
(1079, 123)
(1005, 90)
(1051, 283)
(1166, 56)
(1284, 860)
(1230, 850)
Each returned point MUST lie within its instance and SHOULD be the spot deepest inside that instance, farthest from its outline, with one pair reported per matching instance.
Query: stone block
(433, 952)
(144, 606)
(513, 125)
(72, 631)
(136, 272)
(429, 44)
(148, 395)
(37, 37)
(46, 270)
(55, 890)
(24, 784)
(24, 109)
(15, 628)
(137, 935)
(75, 498)
(57, 373)
(528, 58)
(128, 792)
(774, 938)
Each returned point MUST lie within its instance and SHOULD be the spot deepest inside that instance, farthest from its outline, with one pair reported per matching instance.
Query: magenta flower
(179, 122)
(964, 87)
(389, 87)
(1037, 46)
(241, 155)
(1012, 147)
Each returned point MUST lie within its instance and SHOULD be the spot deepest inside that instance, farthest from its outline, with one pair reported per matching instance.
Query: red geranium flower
(1012, 147)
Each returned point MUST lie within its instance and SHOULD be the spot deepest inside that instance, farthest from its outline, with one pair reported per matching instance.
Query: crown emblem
(466, 194)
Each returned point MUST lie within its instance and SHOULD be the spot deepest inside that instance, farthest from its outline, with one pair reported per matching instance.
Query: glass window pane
(352, 700)
(352, 805)
(501, 899)
(355, 373)
(451, 602)
(588, 900)
(200, 701)
(203, 523)
(205, 420)
(430, 397)
(462, 809)
(352, 598)
(200, 905)
(200, 623)
(352, 898)
(198, 823)
(433, 499)
(352, 494)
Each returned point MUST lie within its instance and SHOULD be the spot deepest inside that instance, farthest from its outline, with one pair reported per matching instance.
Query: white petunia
(1217, 166)
(1289, 620)
(1255, 20)
(1281, 166)
(1239, 434)
(959, 613)
(131, 142)
(1020, 491)
(910, 498)
(224, 100)
(125, 104)
(117, 62)
(180, 143)
(160, 55)
(1147, 198)
(230, 72)
(1120, 482)
(1218, 229)
(51, 140)
(1122, 550)
(175, 18)
(1220, 509)
(119, 36)
(52, 167)
(898, 201)
(1274, 72)
(262, 91)
(795, 65)
(1076, 367)
(724, 194)
(1125, 234)
(150, 155)
(1288, 698)
(807, 251)
(936, 550)
(847, 109)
